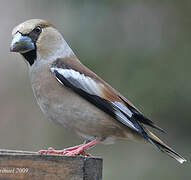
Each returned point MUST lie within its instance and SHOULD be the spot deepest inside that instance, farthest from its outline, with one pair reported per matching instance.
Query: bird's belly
(71, 110)
(65, 107)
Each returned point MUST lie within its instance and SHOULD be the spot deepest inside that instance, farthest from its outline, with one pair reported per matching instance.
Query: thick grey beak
(21, 43)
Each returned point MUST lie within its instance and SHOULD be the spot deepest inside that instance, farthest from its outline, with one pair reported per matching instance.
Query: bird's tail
(164, 148)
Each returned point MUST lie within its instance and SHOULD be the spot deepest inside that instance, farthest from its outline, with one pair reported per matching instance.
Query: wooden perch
(25, 165)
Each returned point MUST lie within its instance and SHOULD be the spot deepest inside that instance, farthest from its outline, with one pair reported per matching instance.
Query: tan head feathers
(27, 26)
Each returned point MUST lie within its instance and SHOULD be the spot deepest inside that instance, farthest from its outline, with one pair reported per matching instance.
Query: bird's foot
(71, 151)
(53, 151)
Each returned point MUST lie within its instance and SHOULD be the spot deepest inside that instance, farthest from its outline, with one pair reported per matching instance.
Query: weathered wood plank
(24, 165)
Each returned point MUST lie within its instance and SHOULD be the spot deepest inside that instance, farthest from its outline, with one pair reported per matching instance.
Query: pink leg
(81, 149)
(71, 151)
(53, 151)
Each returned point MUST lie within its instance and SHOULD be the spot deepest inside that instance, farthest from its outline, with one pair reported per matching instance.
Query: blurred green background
(142, 48)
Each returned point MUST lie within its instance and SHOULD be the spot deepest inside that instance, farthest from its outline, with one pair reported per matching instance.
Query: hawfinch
(76, 98)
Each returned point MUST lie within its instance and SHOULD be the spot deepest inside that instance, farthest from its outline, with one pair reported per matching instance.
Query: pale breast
(63, 106)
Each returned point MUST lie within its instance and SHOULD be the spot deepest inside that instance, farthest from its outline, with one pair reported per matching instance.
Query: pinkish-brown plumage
(73, 96)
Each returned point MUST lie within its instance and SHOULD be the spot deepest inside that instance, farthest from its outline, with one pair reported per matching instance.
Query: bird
(76, 98)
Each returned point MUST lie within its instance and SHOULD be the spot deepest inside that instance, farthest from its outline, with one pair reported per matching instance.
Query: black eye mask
(34, 35)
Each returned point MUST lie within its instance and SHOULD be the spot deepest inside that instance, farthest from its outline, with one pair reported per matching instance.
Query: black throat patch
(30, 56)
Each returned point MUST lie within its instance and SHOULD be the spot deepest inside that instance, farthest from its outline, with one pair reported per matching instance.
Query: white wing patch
(123, 108)
(93, 87)
(122, 118)
(80, 80)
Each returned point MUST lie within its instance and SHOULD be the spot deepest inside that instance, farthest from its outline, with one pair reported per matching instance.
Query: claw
(71, 151)
(43, 151)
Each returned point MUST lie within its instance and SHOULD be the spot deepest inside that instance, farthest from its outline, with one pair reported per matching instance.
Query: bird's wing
(92, 88)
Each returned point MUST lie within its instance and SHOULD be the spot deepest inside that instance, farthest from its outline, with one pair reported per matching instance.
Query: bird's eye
(37, 30)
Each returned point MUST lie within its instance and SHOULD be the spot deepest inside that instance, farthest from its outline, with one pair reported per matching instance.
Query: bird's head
(37, 39)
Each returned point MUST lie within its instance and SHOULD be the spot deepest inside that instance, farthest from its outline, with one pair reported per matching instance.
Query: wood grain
(25, 165)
